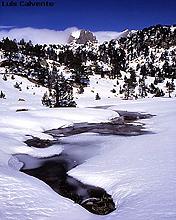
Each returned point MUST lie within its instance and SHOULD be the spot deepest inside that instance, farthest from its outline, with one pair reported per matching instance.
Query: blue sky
(95, 15)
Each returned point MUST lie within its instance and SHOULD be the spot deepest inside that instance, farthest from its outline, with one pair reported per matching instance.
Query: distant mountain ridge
(84, 36)
(143, 62)
(57, 36)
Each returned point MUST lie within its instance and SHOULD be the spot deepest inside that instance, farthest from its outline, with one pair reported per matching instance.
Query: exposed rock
(84, 37)
(22, 110)
(21, 100)
(39, 143)
(116, 127)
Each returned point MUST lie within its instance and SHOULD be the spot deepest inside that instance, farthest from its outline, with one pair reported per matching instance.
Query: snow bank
(138, 171)
(14, 126)
(23, 197)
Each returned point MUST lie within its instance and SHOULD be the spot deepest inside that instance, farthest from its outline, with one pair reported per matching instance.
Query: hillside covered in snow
(142, 64)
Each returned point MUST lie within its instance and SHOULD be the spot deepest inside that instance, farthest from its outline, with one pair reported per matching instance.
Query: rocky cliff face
(84, 37)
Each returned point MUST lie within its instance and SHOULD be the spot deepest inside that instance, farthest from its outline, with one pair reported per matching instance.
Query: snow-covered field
(138, 171)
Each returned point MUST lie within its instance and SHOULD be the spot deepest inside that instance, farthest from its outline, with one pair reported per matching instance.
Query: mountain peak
(82, 37)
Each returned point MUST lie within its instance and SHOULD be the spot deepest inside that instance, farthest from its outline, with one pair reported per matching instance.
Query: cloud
(40, 36)
(47, 36)
(6, 27)
(107, 35)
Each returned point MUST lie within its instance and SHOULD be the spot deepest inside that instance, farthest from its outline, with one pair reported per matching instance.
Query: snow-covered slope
(138, 171)
(109, 90)
(23, 114)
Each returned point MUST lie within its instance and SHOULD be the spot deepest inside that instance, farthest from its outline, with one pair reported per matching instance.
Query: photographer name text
(26, 4)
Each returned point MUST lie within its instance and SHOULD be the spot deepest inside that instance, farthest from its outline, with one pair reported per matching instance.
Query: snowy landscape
(107, 108)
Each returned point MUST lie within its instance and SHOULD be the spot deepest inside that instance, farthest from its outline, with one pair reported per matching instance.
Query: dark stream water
(53, 171)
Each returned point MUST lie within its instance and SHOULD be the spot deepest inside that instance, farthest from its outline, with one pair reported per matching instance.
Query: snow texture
(138, 171)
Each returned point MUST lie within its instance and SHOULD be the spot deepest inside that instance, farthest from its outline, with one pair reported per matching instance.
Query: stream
(53, 170)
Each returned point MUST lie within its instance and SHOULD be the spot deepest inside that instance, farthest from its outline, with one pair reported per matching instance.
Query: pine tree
(152, 88)
(60, 93)
(17, 85)
(97, 97)
(170, 87)
(4, 77)
(2, 95)
(121, 90)
(130, 84)
(9, 47)
(64, 93)
(143, 70)
(81, 89)
(12, 77)
(80, 76)
(45, 100)
(142, 88)
(159, 93)
(113, 90)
